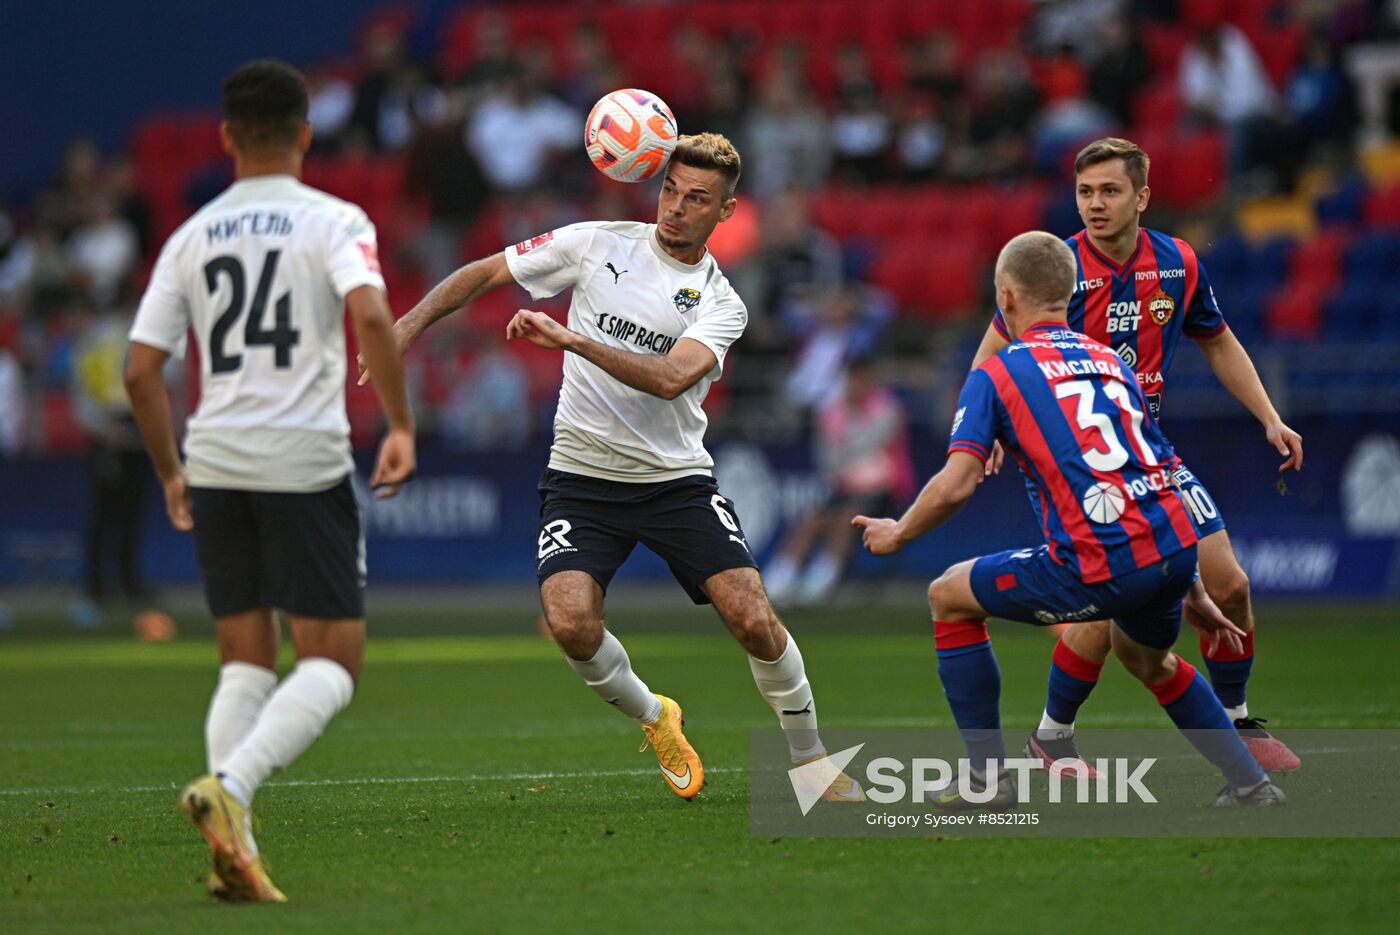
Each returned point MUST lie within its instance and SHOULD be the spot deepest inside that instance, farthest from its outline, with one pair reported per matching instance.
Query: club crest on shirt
(686, 300)
(1161, 307)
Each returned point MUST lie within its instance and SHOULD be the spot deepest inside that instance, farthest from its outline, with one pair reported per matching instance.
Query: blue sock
(1229, 672)
(1195, 710)
(1072, 680)
(972, 683)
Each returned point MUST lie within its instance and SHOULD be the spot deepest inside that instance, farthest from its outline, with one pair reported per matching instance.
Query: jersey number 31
(1116, 456)
(281, 335)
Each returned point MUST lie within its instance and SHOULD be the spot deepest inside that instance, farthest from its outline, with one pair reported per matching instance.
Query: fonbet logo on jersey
(1123, 316)
(890, 780)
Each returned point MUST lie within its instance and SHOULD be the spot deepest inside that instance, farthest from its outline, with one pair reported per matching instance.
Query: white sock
(1236, 713)
(609, 673)
(238, 697)
(296, 714)
(783, 684)
(1051, 729)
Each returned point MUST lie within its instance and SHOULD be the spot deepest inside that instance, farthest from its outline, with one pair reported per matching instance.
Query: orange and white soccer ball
(630, 135)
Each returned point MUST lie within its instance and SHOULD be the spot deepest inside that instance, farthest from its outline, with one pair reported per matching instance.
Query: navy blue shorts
(1204, 514)
(1029, 586)
(592, 525)
(303, 553)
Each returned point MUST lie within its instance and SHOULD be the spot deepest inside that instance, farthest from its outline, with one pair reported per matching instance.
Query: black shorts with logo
(592, 525)
(299, 552)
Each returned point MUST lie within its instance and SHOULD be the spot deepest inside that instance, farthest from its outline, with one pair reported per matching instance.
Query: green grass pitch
(476, 785)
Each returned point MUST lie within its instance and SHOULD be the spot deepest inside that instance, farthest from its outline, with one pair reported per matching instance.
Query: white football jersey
(631, 295)
(261, 274)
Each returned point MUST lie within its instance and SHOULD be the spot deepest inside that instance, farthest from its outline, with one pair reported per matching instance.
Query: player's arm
(150, 404)
(1232, 367)
(664, 375)
(374, 335)
(463, 287)
(993, 343)
(937, 503)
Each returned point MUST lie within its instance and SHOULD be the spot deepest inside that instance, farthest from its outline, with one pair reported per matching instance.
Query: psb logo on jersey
(686, 300)
(1161, 307)
(1127, 353)
(552, 541)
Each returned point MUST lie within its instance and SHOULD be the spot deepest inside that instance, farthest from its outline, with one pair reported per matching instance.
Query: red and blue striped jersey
(1098, 471)
(1143, 307)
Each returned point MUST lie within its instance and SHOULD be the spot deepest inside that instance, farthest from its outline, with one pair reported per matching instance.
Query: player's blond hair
(1135, 162)
(710, 151)
(1040, 267)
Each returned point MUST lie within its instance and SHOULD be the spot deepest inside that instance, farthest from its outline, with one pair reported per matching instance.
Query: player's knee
(1232, 593)
(1147, 667)
(575, 629)
(754, 627)
(940, 595)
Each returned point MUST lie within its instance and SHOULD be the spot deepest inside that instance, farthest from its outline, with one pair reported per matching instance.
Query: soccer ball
(629, 135)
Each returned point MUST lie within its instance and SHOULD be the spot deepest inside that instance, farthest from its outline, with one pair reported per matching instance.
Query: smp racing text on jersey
(632, 333)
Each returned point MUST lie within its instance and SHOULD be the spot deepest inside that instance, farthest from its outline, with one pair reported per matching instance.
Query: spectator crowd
(476, 129)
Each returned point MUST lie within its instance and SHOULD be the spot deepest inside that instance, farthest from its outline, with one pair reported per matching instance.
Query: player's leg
(778, 669)
(573, 610)
(1075, 666)
(1228, 585)
(967, 666)
(586, 533)
(320, 686)
(226, 546)
(1143, 640)
(248, 645)
(228, 549)
(1194, 709)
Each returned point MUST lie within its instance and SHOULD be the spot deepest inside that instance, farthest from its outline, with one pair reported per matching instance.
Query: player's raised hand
(402, 342)
(539, 329)
(1288, 443)
(177, 502)
(1207, 620)
(879, 537)
(397, 461)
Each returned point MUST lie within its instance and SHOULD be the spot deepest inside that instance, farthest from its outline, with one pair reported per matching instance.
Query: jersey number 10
(281, 335)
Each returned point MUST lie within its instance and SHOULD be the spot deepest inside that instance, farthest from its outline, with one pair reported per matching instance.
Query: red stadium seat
(1158, 104)
(929, 277)
(1383, 207)
(1295, 314)
(1317, 264)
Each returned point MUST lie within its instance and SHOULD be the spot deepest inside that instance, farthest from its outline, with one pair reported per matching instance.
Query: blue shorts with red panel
(1029, 586)
(1205, 516)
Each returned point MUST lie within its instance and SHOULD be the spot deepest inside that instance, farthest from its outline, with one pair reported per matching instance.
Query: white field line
(370, 781)
(478, 777)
